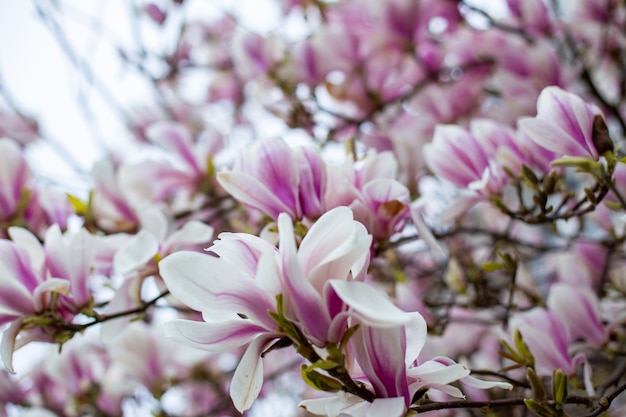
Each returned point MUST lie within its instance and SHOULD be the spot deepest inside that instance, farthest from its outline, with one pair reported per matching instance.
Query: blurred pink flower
(564, 124)
(274, 178)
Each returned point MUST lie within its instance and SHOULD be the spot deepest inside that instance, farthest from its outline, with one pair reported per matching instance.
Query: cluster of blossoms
(437, 228)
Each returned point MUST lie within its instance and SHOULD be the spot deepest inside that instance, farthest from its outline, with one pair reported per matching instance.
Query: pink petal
(176, 138)
(250, 191)
(380, 353)
(304, 301)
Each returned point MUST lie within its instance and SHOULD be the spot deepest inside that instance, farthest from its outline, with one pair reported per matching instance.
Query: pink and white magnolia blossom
(459, 157)
(111, 205)
(578, 308)
(369, 188)
(564, 124)
(76, 379)
(22, 202)
(236, 289)
(192, 158)
(38, 280)
(548, 339)
(137, 258)
(15, 175)
(386, 347)
(18, 127)
(140, 356)
(275, 178)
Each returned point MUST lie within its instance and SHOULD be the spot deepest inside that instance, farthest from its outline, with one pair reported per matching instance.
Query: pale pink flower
(36, 279)
(386, 347)
(548, 339)
(368, 187)
(458, 156)
(564, 124)
(236, 290)
(63, 379)
(155, 13)
(18, 127)
(578, 308)
(111, 205)
(137, 258)
(274, 178)
(15, 175)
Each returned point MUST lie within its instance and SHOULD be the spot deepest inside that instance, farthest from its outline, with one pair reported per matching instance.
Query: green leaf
(559, 388)
(530, 177)
(324, 364)
(320, 381)
(492, 266)
(536, 384)
(584, 164)
(523, 349)
(347, 335)
(80, 207)
(538, 409)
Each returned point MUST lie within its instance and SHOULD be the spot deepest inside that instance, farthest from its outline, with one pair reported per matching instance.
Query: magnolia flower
(459, 157)
(137, 259)
(567, 125)
(25, 290)
(14, 176)
(112, 207)
(386, 346)
(368, 187)
(75, 379)
(548, 339)
(35, 280)
(274, 178)
(236, 289)
(20, 202)
(579, 309)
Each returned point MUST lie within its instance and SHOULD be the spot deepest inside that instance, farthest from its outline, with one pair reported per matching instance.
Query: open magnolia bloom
(254, 294)
(567, 125)
(237, 290)
(386, 360)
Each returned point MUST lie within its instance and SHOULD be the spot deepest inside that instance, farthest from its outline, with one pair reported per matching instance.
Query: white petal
(136, 252)
(250, 191)
(248, 377)
(435, 373)
(424, 231)
(332, 247)
(215, 336)
(329, 406)
(482, 384)
(43, 290)
(193, 232)
(206, 283)
(154, 221)
(369, 305)
(29, 242)
(387, 407)
(7, 347)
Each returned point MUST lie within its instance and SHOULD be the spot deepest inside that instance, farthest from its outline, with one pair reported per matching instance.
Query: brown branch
(103, 318)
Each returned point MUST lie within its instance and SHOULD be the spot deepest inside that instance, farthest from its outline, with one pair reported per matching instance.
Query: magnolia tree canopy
(437, 228)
